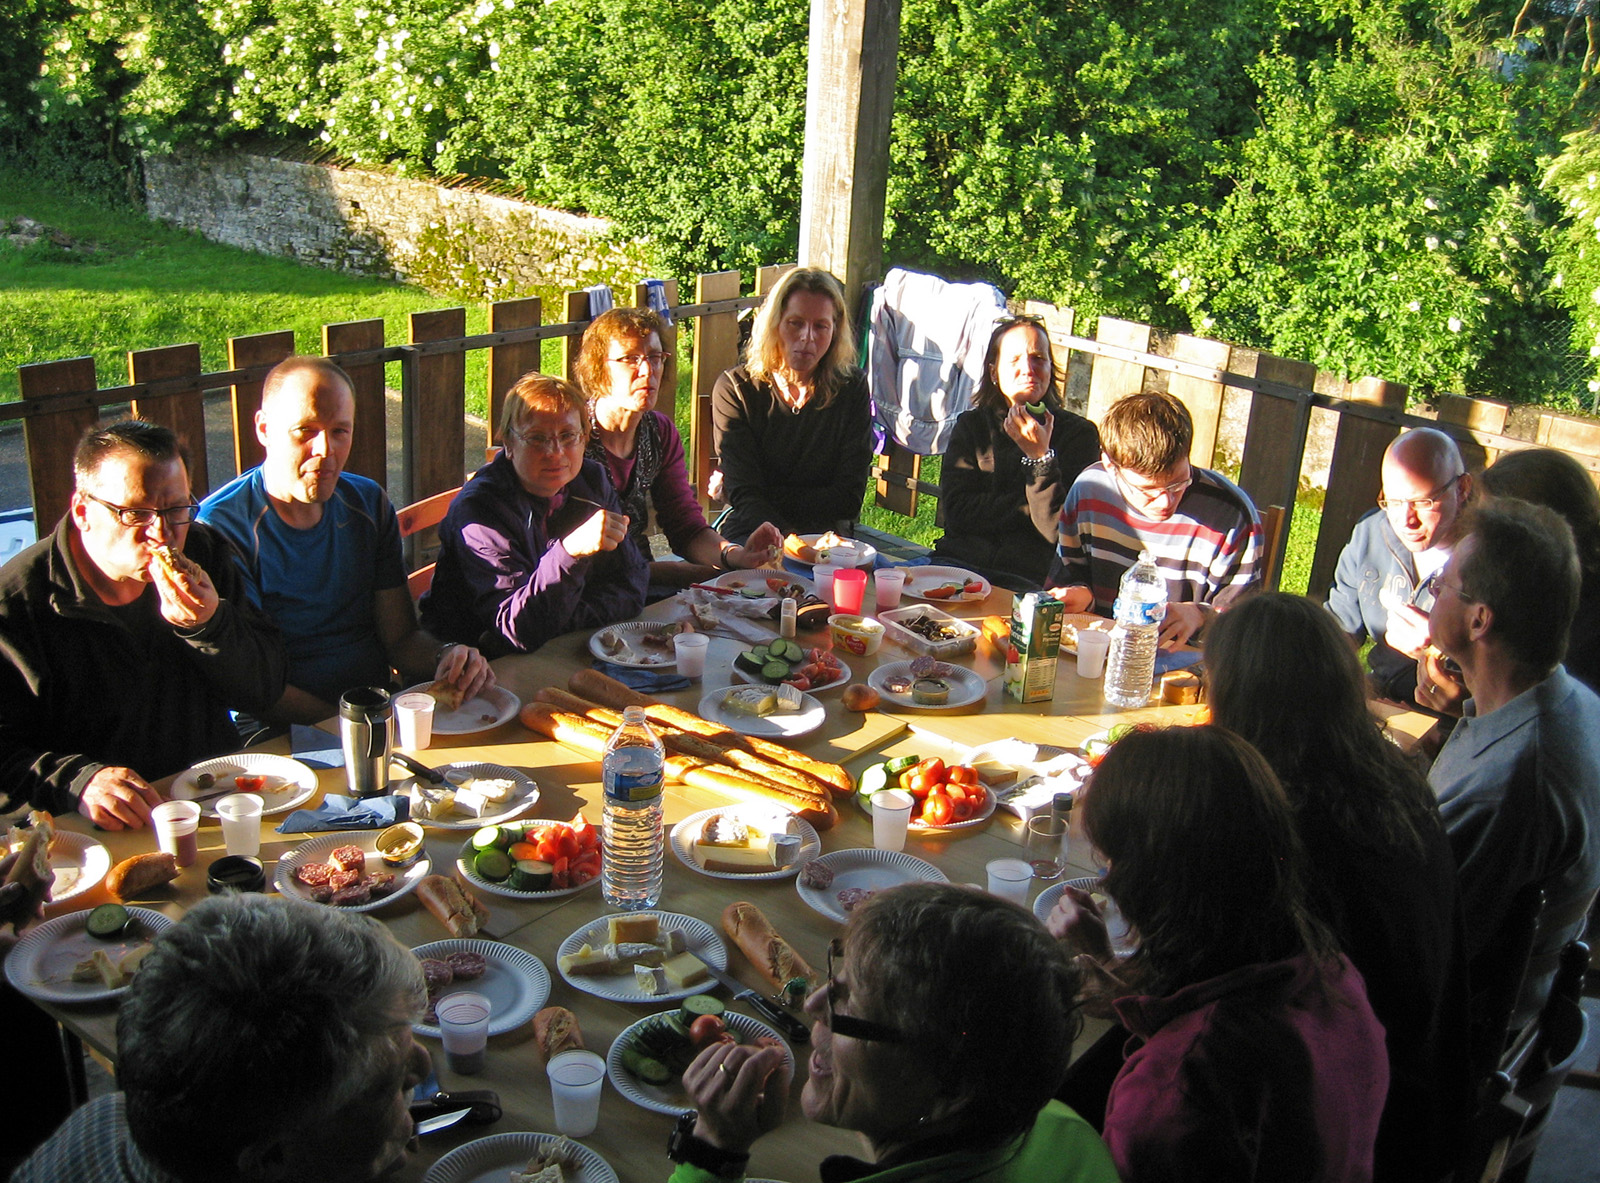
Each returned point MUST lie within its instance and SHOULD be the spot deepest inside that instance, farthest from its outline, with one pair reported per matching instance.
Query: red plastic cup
(849, 586)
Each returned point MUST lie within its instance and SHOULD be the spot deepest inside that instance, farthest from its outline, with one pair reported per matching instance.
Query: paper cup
(887, 585)
(822, 575)
(464, 1029)
(849, 588)
(690, 649)
(413, 721)
(175, 824)
(1093, 645)
(575, 1081)
(1009, 879)
(240, 814)
(891, 814)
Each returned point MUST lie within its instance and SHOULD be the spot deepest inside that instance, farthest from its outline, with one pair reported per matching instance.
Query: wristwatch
(684, 1146)
(1042, 463)
(723, 552)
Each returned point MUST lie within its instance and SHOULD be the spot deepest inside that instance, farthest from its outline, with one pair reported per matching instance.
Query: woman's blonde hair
(763, 357)
(536, 393)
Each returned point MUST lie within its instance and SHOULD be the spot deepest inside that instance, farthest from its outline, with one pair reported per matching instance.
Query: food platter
(626, 644)
(865, 554)
(482, 712)
(79, 863)
(491, 1159)
(867, 869)
(317, 850)
(466, 868)
(843, 679)
(523, 797)
(670, 1098)
(700, 937)
(756, 580)
(290, 783)
(516, 982)
(966, 687)
(40, 964)
(977, 819)
(684, 833)
(780, 725)
(920, 581)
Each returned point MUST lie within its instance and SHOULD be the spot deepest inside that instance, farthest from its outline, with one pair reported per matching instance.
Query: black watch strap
(684, 1146)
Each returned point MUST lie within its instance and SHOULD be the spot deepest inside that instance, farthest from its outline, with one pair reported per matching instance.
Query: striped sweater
(1212, 542)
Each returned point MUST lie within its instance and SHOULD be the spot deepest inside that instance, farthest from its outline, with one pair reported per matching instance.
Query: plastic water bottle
(1131, 664)
(634, 852)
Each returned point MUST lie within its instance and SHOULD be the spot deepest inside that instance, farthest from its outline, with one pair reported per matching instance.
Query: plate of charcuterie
(835, 883)
(514, 981)
(334, 868)
(669, 1097)
(946, 585)
(56, 962)
(501, 1156)
(602, 957)
(281, 783)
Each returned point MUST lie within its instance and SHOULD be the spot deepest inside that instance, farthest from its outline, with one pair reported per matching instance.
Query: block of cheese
(587, 960)
(435, 805)
(684, 970)
(472, 802)
(675, 942)
(652, 979)
(625, 956)
(641, 928)
(756, 853)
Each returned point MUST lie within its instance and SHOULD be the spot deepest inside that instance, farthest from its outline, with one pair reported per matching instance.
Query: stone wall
(453, 242)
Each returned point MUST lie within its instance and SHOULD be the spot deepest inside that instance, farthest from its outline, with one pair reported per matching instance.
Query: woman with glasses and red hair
(940, 1036)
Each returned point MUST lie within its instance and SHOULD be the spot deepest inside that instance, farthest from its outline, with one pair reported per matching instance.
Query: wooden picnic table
(631, 1138)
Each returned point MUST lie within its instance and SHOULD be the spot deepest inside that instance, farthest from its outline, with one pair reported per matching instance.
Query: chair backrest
(1497, 976)
(1557, 929)
(415, 518)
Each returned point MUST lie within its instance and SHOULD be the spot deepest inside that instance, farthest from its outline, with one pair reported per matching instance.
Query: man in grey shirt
(1519, 778)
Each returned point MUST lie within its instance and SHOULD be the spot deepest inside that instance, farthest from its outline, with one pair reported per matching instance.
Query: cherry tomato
(250, 784)
(938, 809)
(973, 588)
(961, 810)
(964, 774)
(707, 1029)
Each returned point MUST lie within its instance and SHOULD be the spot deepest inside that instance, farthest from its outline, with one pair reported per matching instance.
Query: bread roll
(556, 1030)
(139, 874)
(774, 958)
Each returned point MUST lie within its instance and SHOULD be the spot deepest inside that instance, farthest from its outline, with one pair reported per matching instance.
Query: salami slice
(357, 893)
(349, 858)
(340, 880)
(852, 897)
(381, 883)
(321, 894)
(436, 974)
(467, 966)
(313, 874)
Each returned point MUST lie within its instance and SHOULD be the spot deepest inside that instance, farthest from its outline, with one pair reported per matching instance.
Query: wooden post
(1275, 442)
(575, 308)
(369, 449)
(1203, 398)
(434, 412)
(51, 439)
(716, 348)
(1111, 379)
(259, 349)
(1355, 475)
(1485, 415)
(507, 363)
(667, 395)
(850, 79)
(183, 410)
(1058, 324)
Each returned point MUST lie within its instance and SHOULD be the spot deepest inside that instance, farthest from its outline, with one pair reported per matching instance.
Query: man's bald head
(306, 423)
(298, 370)
(1425, 486)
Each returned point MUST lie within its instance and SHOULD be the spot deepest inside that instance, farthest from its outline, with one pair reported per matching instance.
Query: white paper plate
(921, 580)
(1116, 926)
(489, 1160)
(467, 867)
(756, 579)
(670, 1098)
(781, 725)
(516, 982)
(295, 783)
(842, 679)
(634, 656)
(686, 831)
(40, 964)
(1071, 622)
(317, 850)
(523, 797)
(482, 712)
(79, 857)
(866, 554)
(867, 868)
(975, 820)
(966, 687)
(700, 937)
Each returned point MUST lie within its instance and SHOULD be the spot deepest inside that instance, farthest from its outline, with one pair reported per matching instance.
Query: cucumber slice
(532, 875)
(647, 1069)
(775, 670)
(107, 921)
(787, 650)
(511, 834)
(701, 1004)
(763, 653)
(873, 780)
(901, 763)
(494, 865)
(747, 661)
(489, 838)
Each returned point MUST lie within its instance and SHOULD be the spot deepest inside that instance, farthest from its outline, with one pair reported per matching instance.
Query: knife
(432, 775)
(430, 1125)
(793, 1029)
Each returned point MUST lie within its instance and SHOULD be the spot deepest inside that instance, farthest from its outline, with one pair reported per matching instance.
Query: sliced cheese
(651, 979)
(756, 854)
(587, 960)
(684, 970)
(751, 700)
(630, 929)
(623, 956)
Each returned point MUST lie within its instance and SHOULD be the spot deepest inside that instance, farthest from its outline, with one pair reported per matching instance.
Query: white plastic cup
(240, 814)
(887, 585)
(891, 814)
(413, 721)
(822, 576)
(575, 1081)
(176, 824)
(690, 649)
(1093, 645)
(464, 1029)
(1009, 879)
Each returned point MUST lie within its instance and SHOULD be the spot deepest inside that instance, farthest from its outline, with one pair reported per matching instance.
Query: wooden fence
(60, 399)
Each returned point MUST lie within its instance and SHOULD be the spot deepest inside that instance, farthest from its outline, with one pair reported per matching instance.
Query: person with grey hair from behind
(260, 1041)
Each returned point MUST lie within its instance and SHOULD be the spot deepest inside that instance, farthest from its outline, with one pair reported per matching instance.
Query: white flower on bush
(1415, 306)
(1453, 324)
(1431, 242)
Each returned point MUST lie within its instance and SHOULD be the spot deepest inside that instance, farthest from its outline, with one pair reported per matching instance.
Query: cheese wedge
(624, 957)
(756, 853)
(684, 970)
(651, 979)
(587, 960)
(633, 929)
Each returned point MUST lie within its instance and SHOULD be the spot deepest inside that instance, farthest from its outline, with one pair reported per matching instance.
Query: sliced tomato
(942, 593)
(799, 681)
(964, 774)
(973, 588)
(938, 809)
(961, 809)
(563, 876)
(707, 1029)
(250, 784)
(585, 867)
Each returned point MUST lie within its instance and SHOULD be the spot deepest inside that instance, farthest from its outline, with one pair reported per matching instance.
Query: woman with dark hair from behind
(1255, 1053)
(940, 1034)
(1007, 468)
(1379, 868)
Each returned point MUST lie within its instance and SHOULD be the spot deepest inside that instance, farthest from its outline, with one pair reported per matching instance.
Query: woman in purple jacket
(1254, 1054)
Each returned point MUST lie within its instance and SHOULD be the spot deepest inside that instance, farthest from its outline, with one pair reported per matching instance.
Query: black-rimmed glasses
(1433, 502)
(847, 1025)
(177, 515)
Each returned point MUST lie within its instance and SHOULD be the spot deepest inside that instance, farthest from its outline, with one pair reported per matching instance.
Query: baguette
(607, 691)
(556, 1030)
(774, 958)
(452, 905)
(139, 874)
(32, 868)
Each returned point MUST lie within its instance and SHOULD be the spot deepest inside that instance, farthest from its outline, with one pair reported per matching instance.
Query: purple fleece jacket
(1273, 1071)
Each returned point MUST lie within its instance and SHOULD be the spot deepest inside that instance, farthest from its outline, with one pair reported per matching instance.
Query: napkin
(314, 747)
(348, 813)
(644, 681)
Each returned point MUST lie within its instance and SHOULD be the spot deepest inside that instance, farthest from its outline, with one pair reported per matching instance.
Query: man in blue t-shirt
(320, 552)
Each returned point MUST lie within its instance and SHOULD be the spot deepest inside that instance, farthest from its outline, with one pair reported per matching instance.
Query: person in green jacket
(941, 1035)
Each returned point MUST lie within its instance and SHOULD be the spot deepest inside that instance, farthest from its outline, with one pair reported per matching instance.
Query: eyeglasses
(1175, 490)
(177, 515)
(1432, 503)
(550, 443)
(850, 1027)
(634, 360)
(1459, 592)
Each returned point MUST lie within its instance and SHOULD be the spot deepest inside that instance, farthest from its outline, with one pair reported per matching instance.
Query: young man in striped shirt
(1200, 527)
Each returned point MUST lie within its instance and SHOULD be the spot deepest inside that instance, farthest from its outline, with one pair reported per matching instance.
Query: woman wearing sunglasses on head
(940, 1036)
